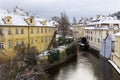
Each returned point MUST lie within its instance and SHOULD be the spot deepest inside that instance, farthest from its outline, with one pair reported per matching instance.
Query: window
(45, 30)
(97, 25)
(10, 44)
(31, 21)
(1, 31)
(42, 40)
(22, 42)
(91, 32)
(22, 31)
(46, 39)
(95, 39)
(98, 40)
(8, 20)
(1, 45)
(49, 30)
(41, 30)
(91, 38)
(32, 41)
(99, 32)
(16, 31)
(38, 30)
(17, 43)
(9, 31)
(114, 32)
(31, 30)
(49, 38)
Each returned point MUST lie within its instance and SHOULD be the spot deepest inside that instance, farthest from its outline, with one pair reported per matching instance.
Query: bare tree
(63, 23)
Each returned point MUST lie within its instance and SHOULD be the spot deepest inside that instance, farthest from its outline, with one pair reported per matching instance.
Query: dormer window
(43, 22)
(31, 21)
(7, 20)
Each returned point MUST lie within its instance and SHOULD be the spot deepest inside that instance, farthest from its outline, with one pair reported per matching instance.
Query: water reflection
(106, 70)
(80, 70)
(87, 67)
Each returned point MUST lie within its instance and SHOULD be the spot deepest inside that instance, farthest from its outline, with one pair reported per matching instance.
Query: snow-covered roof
(38, 22)
(18, 20)
(18, 17)
(45, 53)
(19, 11)
(69, 37)
(101, 19)
(61, 47)
(89, 27)
(53, 22)
(108, 20)
(3, 11)
(117, 34)
(71, 28)
(104, 20)
(57, 36)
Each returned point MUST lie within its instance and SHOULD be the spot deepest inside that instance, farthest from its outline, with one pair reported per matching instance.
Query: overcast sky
(73, 8)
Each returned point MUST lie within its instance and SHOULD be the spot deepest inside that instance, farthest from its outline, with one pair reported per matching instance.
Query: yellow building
(115, 56)
(76, 31)
(79, 30)
(24, 29)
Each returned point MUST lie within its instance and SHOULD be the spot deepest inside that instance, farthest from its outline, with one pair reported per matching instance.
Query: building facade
(76, 29)
(79, 30)
(23, 30)
(115, 56)
(97, 30)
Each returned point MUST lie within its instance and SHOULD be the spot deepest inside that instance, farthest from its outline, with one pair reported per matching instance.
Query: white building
(98, 28)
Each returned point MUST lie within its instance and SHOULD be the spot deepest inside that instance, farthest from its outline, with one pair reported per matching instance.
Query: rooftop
(18, 17)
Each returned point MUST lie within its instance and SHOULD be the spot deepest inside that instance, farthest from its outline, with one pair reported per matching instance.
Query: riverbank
(59, 56)
(57, 63)
(94, 52)
(81, 68)
(115, 69)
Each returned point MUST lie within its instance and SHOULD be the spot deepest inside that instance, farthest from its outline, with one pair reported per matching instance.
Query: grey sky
(73, 8)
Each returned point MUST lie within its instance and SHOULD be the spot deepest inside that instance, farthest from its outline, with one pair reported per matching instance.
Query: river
(84, 67)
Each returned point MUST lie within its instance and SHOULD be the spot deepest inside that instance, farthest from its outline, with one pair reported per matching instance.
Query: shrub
(53, 55)
(64, 41)
(72, 49)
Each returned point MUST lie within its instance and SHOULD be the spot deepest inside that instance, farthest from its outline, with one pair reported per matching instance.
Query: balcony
(2, 37)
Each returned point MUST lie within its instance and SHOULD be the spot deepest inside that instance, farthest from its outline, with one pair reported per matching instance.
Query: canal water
(84, 67)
